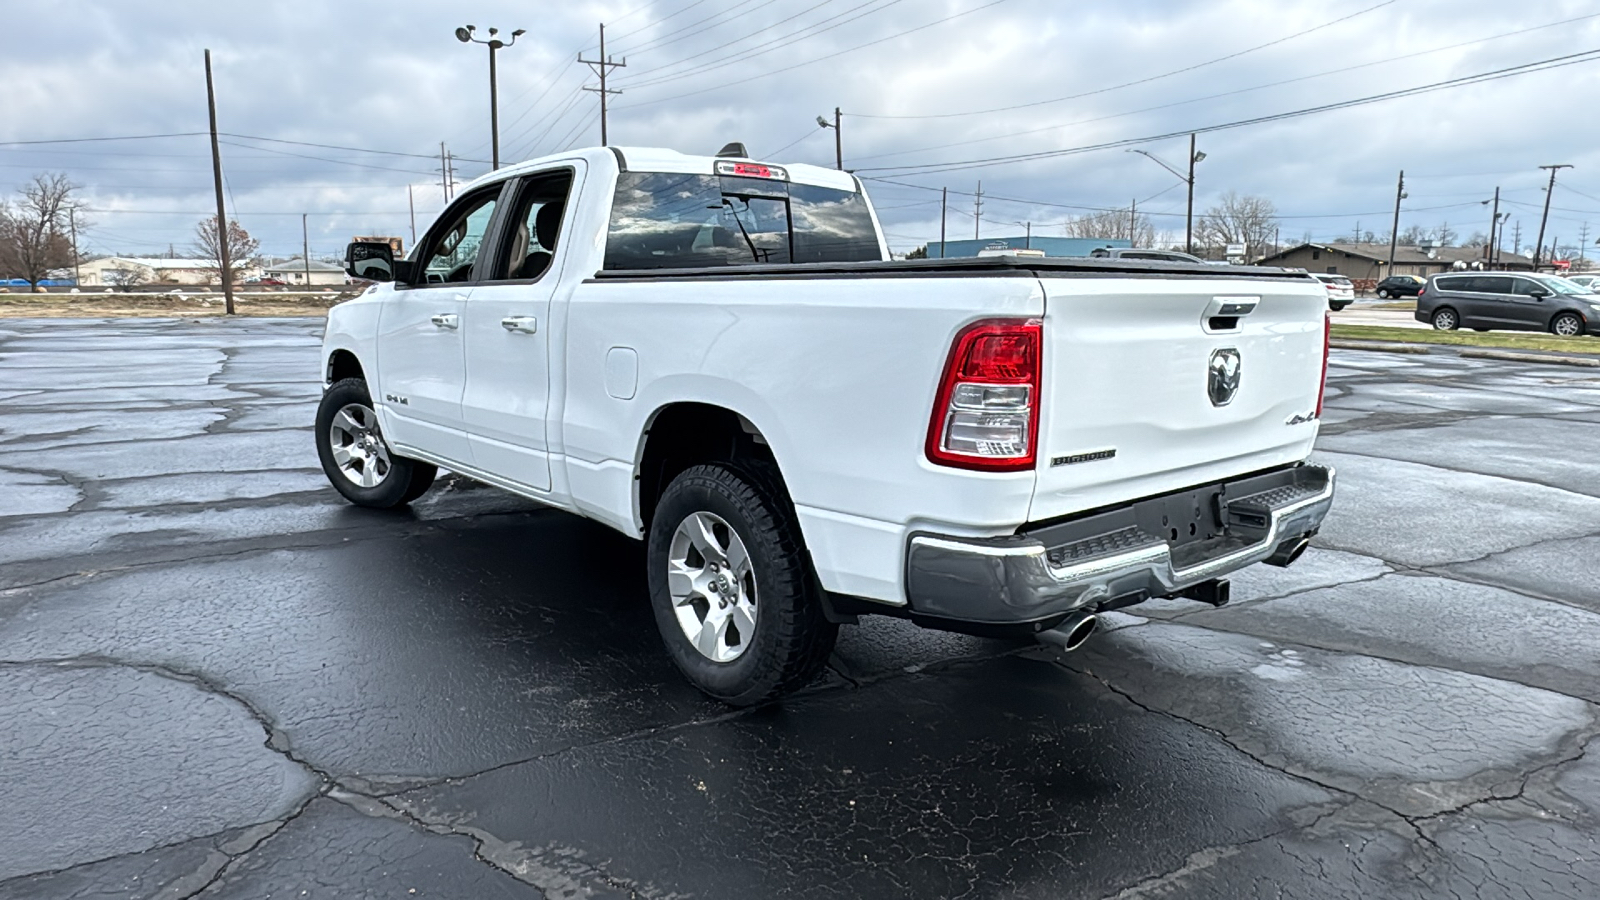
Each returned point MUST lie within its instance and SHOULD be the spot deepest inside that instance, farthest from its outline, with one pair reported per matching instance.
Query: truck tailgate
(1128, 405)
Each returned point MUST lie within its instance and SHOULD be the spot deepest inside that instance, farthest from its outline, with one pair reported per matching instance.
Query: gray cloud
(393, 77)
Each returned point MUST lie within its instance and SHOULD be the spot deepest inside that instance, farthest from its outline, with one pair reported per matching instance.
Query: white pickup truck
(717, 356)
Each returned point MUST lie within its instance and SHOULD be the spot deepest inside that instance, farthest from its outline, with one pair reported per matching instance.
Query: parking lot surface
(219, 680)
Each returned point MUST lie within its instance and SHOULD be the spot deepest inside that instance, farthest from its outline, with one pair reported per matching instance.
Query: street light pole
(222, 213)
(465, 36)
(1188, 218)
(1538, 246)
(838, 141)
(1194, 157)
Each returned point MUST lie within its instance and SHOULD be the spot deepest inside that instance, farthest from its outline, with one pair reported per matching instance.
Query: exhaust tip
(1289, 551)
(1072, 633)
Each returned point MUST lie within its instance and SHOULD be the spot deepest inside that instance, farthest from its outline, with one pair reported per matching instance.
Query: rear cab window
(670, 221)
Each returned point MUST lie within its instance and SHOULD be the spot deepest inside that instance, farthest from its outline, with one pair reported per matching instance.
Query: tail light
(1327, 334)
(986, 413)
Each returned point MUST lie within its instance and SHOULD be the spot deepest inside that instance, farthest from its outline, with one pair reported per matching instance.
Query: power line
(747, 79)
(1245, 90)
(88, 140)
(660, 40)
(1146, 80)
(781, 41)
(681, 10)
(1554, 62)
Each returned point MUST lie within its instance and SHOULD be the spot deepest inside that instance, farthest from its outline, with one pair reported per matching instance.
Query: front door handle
(523, 324)
(447, 320)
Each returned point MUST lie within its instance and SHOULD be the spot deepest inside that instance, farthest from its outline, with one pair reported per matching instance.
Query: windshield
(1562, 286)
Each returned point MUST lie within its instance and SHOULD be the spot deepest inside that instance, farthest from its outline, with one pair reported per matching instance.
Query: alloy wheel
(713, 587)
(358, 447)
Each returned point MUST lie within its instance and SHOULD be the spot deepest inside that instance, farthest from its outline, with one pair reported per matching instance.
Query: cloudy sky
(929, 89)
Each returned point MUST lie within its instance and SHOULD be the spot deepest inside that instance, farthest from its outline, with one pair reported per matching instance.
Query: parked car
(1341, 290)
(1587, 281)
(1400, 286)
(717, 356)
(1143, 254)
(1513, 302)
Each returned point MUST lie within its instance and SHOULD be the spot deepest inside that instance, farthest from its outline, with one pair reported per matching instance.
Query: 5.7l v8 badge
(1222, 379)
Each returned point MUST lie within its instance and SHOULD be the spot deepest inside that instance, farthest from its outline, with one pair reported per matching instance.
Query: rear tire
(1383, 294)
(356, 457)
(1567, 325)
(1337, 306)
(1445, 319)
(725, 551)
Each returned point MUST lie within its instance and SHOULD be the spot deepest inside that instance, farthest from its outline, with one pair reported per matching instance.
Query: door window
(1490, 284)
(1454, 284)
(453, 247)
(533, 228)
(1523, 287)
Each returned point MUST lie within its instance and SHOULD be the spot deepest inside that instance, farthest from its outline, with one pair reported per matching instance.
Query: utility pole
(1394, 233)
(1133, 220)
(305, 249)
(944, 199)
(1188, 218)
(222, 212)
(411, 203)
(1583, 242)
(977, 210)
(1027, 242)
(72, 224)
(601, 66)
(1494, 220)
(450, 172)
(1516, 237)
(444, 171)
(1538, 246)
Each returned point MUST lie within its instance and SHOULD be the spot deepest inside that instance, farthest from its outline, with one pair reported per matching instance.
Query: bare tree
(1113, 224)
(1445, 235)
(241, 247)
(34, 236)
(130, 276)
(1413, 235)
(1247, 220)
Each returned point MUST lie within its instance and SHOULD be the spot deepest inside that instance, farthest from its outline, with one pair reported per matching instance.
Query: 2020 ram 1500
(716, 355)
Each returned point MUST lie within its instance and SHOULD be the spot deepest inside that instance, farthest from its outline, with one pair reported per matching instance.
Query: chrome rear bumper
(1109, 560)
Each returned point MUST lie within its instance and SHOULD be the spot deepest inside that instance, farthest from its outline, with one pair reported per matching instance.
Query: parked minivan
(1515, 302)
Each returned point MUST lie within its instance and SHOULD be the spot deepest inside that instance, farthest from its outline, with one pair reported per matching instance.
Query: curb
(1589, 362)
(1344, 344)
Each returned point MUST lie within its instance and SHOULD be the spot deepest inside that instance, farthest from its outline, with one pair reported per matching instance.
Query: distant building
(127, 271)
(1052, 246)
(293, 271)
(1370, 262)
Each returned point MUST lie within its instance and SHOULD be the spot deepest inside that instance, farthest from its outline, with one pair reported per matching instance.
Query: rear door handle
(523, 324)
(447, 320)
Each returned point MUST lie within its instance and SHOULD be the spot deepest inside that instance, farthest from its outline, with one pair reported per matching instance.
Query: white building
(128, 271)
(293, 271)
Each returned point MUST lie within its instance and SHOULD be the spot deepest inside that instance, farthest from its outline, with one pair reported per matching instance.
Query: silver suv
(1515, 302)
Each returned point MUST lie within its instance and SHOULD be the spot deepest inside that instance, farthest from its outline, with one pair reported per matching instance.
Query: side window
(453, 246)
(665, 220)
(1316, 254)
(1452, 284)
(533, 228)
(1524, 286)
(1491, 284)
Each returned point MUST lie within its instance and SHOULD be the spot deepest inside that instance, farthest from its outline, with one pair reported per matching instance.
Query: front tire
(1383, 294)
(732, 588)
(1445, 319)
(355, 456)
(1567, 325)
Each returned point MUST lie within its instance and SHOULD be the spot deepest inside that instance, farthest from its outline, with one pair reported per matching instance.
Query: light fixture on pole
(838, 141)
(467, 35)
(1194, 157)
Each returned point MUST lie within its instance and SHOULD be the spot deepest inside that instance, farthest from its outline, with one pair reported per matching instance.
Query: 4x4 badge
(1222, 378)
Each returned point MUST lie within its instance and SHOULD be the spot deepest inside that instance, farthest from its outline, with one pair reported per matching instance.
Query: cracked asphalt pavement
(219, 680)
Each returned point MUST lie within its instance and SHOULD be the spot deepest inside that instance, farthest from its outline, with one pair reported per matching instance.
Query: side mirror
(1538, 293)
(370, 260)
